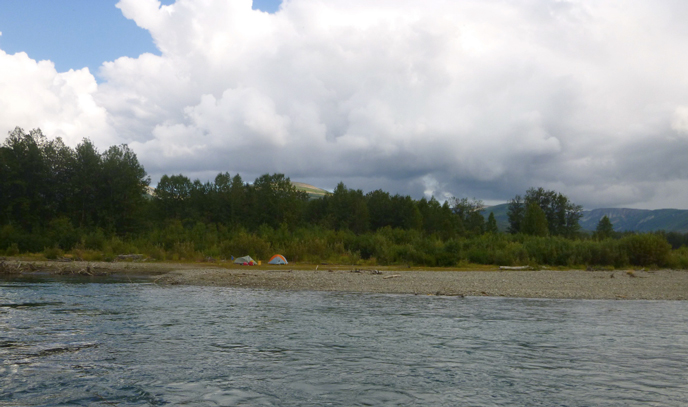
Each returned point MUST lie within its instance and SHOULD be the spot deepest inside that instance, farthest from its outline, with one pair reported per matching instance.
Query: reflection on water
(140, 344)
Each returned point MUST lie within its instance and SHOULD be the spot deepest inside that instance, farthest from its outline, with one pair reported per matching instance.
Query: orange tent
(278, 259)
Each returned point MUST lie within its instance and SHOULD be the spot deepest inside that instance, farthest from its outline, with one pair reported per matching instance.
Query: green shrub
(679, 258)
(94, 240)
(88, 255)
(366, 245)
(446, 259)
(243, 244)
(12, 250)
(62, 233)
(192, 241)
(23, 241)
(53, 253)
(606, 252)
(647, 249)
(119, 246)
(479, 255)
(452, 250)
(504, 258)
(156, 252)
(186, 251)
(213, 252)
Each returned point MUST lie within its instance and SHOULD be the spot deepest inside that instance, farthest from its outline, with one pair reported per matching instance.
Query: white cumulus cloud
(34, 95)
(680, 120)
(474, 97)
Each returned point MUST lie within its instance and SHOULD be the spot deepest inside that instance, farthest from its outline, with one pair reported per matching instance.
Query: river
(72, 343)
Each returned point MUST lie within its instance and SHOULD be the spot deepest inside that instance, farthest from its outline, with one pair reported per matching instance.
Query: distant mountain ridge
(623, 219)
(638, 220)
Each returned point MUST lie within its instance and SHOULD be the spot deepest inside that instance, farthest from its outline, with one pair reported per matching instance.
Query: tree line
(53, 197)
(45, 185)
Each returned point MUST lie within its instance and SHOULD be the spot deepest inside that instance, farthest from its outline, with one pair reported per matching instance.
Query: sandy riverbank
(619, 284)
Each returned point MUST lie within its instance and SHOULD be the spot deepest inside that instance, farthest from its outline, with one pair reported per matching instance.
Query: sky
(468, 98)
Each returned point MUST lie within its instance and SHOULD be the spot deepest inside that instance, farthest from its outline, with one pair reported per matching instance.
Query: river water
(132, 344)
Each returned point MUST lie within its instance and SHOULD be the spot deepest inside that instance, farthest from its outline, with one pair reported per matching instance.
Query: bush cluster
(386, 246)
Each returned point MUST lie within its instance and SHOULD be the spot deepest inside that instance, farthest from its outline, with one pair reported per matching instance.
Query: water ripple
(139, 344)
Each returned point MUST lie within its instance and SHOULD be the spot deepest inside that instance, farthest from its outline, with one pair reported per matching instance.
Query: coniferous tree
(27, 179)
(439, 219)
(201, 203)
(515, 212)
(491, 225)
(123, 189)
(347, 209)
(86, 182)
(604, 229)
(379, 209)
(237, 199)
(5, 201)
(221, 203)
(451, 225)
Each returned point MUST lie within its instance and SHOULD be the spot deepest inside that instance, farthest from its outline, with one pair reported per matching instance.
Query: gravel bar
(580, 284)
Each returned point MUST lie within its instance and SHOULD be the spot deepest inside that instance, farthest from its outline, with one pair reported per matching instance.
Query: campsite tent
(245, 260)
(278, 259)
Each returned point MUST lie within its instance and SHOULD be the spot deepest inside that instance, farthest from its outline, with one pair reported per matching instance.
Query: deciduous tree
(468, 211)
(534, 221)
(562, 215)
